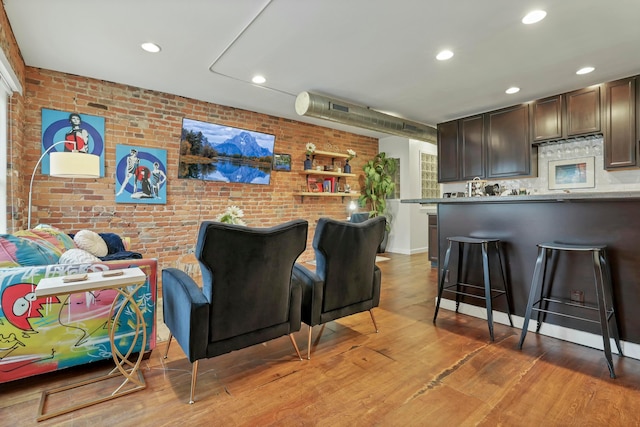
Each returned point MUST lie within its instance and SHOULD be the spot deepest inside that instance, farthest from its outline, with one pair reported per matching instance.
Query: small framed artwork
(141, 175)
(80, 132)
(281, 162)
(572, 173)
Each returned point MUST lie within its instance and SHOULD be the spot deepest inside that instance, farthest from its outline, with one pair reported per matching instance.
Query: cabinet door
(433, 238)
(448, 152)
(620, 124)
(471, 146)
(508, 147)
(546, 117)
(583, 111)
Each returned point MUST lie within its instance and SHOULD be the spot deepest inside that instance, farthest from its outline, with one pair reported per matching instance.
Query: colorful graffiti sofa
(39, 335)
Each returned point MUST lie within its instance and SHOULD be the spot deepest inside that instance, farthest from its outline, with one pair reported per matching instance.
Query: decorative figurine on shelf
(311, 148)
(347, 166)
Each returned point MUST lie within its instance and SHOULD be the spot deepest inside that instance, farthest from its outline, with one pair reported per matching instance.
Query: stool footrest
(570, 304)
(495, 292)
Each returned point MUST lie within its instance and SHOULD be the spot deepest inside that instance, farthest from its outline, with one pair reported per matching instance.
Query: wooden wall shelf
(326, 173)
(327, 194)
(330, 154)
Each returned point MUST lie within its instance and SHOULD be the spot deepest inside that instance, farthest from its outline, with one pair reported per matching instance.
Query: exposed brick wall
(139, 117)
(15, 161)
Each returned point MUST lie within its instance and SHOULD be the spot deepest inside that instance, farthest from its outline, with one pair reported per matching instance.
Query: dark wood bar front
(521, 222)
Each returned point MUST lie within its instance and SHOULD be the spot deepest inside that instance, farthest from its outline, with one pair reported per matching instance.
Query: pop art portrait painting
(82, 132)
(141, 175)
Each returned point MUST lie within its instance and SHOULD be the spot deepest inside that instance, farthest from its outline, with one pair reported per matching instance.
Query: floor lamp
(67, 164)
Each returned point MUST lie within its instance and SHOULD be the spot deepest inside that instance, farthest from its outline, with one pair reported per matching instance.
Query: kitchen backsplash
(575, 148)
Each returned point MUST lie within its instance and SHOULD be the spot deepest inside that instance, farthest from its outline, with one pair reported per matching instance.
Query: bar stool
(539, 301)
(460, 286)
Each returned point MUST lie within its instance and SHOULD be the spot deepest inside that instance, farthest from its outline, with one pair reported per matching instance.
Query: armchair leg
(194, 375)
(166, 352)
(293, 341)
(374, 320)
(309, 344)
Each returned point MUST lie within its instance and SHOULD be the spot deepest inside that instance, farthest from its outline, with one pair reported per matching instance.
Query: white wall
(409, 227)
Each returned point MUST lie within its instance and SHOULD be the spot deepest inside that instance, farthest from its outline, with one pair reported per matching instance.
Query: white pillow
(77, 256)
(91, 242)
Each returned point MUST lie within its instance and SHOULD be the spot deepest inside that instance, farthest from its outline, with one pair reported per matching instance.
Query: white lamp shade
(74, 165)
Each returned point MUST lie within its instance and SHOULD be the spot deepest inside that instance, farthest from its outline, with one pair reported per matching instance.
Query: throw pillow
(62, 239)
(41, 239)
(78, 256)
(16, 252)
(113, 241)
(91, 242)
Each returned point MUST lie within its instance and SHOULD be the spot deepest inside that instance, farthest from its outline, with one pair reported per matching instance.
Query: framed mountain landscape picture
(213, 152)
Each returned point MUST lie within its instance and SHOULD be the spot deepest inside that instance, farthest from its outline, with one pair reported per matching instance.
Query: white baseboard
(588, 339)
(406, 251)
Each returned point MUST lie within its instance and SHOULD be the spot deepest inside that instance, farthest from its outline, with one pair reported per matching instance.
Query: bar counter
(521, 222)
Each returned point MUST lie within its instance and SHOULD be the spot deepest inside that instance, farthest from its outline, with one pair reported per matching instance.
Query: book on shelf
(330, 184)
(314, 185)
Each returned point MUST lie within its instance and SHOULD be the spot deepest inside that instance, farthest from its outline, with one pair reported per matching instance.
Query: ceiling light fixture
(150, 47)
(444, 55)
(534, 16)
(585, 70)
(258, 79)
(512, 90)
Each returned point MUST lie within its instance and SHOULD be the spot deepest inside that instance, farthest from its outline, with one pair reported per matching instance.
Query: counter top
(550, 197)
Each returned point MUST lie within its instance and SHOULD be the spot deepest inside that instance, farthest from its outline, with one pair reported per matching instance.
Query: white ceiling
(375, 53)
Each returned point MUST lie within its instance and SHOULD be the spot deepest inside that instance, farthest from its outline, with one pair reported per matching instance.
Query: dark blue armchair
(346, 280)
(247, 295)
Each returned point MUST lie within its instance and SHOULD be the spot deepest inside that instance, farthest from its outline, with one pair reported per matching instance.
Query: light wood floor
(411, 373)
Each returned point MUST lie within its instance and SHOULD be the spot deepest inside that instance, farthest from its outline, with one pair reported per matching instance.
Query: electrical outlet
(577, 296)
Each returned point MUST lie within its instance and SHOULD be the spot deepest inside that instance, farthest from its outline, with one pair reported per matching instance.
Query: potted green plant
(377, 186)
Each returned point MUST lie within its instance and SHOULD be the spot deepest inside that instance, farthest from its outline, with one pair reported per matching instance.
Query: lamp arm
(33, 174)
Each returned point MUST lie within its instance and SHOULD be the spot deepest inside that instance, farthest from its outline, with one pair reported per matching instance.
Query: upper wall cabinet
(583, 111)
(448, 168)
(621, 124)
(508, 146)
(546, 118)
(472, 146)
(461, 149)
(565, 116)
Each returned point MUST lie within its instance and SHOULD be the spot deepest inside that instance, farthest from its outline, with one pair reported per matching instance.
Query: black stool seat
(570, 247)
(540, 301)
(472, 240)
(460, 284)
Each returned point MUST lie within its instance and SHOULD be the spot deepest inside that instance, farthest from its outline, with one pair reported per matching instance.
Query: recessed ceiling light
(585, 70)
(512, 90)
(534, 16)
(444, 55)
(150, 47)
(258, 79)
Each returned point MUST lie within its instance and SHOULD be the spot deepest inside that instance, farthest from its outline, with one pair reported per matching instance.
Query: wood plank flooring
(411, 373)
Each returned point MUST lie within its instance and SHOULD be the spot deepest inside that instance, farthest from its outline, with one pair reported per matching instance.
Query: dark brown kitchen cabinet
(471, 144)
(461, 149)
(546, 118)
(433, 239)
(583, 111)
(620, 124)
(565, 116)
(448, 168)
(508, 146)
